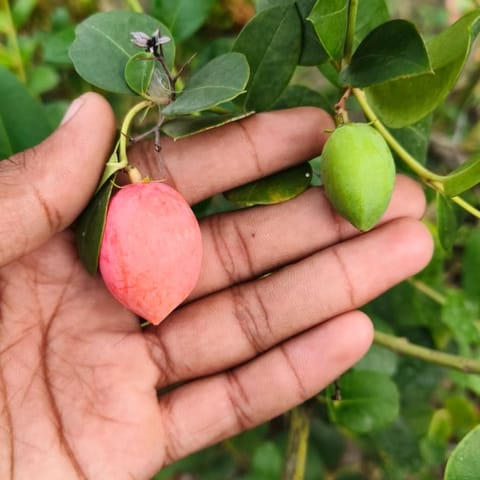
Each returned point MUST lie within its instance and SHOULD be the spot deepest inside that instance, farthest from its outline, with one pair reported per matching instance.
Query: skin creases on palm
(80, 387)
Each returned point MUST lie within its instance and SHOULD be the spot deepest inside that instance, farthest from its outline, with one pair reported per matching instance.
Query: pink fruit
(151, 250)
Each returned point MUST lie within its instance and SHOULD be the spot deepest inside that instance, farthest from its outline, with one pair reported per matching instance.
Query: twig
(341, 113)
(428, 291)
(416, 167)
(405, 347)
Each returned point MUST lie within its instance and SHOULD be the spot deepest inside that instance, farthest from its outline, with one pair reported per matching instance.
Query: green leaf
(414, 139)
(463, 178)
(103, 46)
(23, 122)
(41, 79)
(330, 18)
(139, 72)
(248, 441)
(378, 358)
(275, 188)
(302, 96)
(271, 42)
(393, 50)
(220, 80)
(22, 11)
(112, 166)
(419, 311)
(463, 414)
(434, 445)
(214, 49)
(90, 226)
(440, 428)
(398, 447)
(330, 73)
(446, 222)
(466, 381)
(371, 14)
(312, 52)
(60, 18)
(403, 102)
(267, 462)
(56, 45)
(328, 440)
(264, 4)
(464, 462)
(471, 266)
(460, 317)
(182, 17)
(182, 127)
(369, 401)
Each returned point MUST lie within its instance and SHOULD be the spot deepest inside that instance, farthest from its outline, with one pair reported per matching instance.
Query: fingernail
(72, 109)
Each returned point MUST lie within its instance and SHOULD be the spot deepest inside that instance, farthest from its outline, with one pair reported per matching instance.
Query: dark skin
(79, 378)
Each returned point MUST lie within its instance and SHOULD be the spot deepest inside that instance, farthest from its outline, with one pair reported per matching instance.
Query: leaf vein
(102, 33)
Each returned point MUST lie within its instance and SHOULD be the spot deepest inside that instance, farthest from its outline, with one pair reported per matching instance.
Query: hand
(79, 378)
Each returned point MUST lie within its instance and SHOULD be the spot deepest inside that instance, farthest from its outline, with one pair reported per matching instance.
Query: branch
(296, 456)
(431, 179)
(405, 347)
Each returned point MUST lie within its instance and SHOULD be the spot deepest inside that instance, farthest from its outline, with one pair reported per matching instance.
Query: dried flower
(149, 42)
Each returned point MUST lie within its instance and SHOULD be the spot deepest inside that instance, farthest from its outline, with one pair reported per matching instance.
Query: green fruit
(358, 173)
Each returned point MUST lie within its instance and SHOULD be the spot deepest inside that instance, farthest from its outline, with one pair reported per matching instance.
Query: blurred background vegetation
(437, 406)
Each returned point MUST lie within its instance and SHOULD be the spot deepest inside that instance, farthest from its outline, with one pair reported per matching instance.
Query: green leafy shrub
(410, 407)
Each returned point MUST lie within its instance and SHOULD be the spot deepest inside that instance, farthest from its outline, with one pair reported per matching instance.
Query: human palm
(80, 379)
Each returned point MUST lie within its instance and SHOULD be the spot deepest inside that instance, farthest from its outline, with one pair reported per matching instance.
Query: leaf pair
(330, 19)
(102, 47)
(104, 55)
(406, 78)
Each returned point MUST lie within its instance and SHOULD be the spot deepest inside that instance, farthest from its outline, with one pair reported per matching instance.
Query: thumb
(43, 189)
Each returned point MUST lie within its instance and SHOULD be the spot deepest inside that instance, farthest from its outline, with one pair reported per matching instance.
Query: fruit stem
(431, 179)
(341, 112)
(352, 21)
(122, 150)
(434, 180)
(134, 174)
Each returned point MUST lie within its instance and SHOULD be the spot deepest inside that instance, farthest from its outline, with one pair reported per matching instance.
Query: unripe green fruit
(151, 250)
(358, 173)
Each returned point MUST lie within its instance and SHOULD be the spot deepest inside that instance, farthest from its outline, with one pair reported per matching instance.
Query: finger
(234, 325)
(43, 189)
(242, 245)
(209, 410)
(225, 157)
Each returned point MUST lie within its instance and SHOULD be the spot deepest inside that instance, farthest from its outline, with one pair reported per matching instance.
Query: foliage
(410, 408)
